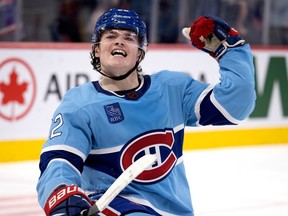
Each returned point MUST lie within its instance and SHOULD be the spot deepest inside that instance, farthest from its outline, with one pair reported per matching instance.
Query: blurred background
(73, 20)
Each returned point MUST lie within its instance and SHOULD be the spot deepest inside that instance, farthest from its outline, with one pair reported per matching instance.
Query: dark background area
(262, 22)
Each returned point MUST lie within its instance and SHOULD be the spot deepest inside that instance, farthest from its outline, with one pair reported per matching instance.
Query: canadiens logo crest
(159, 143)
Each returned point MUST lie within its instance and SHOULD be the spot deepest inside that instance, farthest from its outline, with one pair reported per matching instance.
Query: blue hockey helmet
(121, 19)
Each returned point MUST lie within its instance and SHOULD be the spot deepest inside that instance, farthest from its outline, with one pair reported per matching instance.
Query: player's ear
(97, 51)
(140, 55)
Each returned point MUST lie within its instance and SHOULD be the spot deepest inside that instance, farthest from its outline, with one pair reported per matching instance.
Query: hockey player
(102, 127)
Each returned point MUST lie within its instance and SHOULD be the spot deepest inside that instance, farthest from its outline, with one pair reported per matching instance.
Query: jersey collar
(130, 95)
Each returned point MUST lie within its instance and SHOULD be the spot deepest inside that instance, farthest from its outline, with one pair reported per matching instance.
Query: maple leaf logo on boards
(13, 92)
(17, 89)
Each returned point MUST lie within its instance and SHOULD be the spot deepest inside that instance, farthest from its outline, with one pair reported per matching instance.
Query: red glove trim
(233, 32)
(62, 194)
(201, 28)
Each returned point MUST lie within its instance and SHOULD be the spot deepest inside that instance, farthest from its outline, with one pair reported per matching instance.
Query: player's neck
(131, 82)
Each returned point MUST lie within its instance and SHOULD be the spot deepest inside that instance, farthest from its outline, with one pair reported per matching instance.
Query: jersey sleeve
(63, 155)
(228, 102)
(233, 98)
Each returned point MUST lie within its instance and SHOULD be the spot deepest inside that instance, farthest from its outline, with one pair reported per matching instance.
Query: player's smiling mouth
(118, 52)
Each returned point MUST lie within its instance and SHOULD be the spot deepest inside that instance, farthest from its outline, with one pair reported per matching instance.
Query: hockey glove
(67, 200)
(212, 35)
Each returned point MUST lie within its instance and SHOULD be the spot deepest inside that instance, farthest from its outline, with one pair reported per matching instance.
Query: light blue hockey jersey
(96, 134)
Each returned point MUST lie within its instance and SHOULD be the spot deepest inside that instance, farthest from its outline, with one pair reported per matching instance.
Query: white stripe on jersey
(198, 103)
(64, 161)
(106, 150)
(178, 128)
(223, 110)
(64, 148)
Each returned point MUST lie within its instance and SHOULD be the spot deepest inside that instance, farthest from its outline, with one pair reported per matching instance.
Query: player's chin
(117, 70)
(122, 64)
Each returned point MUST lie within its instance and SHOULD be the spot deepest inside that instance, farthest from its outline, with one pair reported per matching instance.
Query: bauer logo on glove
(212, 35)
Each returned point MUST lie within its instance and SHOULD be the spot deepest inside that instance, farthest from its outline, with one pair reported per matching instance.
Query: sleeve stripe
(178, 128)
(65, 148)
(198, 103)
(106, 150)
(223, 110)
(64, 161)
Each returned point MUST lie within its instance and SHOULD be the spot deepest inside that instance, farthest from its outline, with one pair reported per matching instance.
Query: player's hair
(119, 19)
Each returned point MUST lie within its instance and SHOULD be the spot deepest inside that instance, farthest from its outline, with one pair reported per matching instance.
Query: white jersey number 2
(59, 122)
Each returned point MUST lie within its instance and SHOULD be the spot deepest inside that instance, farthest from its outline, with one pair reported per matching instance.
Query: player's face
(118, 51)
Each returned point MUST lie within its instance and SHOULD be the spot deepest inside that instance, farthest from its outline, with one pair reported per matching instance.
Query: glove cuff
(62, 194)
(231, 41)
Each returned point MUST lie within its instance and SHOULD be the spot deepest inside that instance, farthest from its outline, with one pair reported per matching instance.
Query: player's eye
(114, 34)
(130, 39)
(109, 36)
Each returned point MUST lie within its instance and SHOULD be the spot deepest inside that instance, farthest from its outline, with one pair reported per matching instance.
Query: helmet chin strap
(121, 77)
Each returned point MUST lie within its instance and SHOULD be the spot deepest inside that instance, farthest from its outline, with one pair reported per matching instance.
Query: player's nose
(119, 41)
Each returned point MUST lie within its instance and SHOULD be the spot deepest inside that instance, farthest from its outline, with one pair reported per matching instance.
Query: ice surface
(248, 181)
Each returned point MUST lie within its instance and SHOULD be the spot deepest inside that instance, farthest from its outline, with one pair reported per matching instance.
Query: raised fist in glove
(68, 201)
(212, 35)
